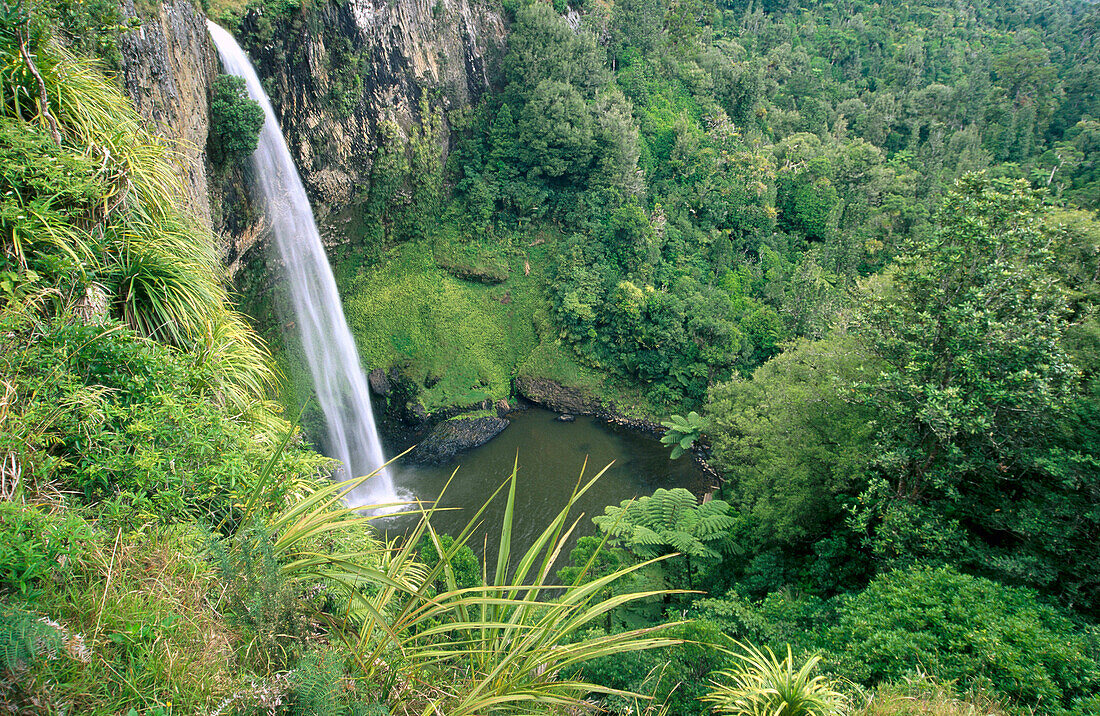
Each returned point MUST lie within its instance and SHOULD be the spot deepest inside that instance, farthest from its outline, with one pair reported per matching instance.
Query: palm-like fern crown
(668, 520)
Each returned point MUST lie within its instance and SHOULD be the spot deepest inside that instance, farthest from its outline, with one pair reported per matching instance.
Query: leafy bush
(127, 420)
(467, 570)
(235, 121)
(966, 629)
(35, 545)
(260, 598)
(676, 677)
(320, 687)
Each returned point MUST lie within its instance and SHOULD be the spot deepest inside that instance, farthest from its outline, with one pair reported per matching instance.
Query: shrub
(34, 545)
(121, 418)
(675, 677)
(969, 629)
(235, 121)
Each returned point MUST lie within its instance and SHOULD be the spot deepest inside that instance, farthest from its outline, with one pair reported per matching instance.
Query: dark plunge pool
(551, 456)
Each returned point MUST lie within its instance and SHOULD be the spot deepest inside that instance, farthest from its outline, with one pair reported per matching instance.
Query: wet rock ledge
(456, 435)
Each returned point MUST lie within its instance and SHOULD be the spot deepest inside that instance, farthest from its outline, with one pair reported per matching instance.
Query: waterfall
(333, 359)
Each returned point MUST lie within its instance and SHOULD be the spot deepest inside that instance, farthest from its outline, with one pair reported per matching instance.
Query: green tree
(669, 521)
(235, 121)
(792, 441)
(958, 627)
(975, 375)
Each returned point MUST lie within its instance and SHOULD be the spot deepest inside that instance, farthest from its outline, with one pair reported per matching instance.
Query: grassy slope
(463, 341)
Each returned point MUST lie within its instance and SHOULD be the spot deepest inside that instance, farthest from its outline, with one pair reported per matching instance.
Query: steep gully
(330, 350)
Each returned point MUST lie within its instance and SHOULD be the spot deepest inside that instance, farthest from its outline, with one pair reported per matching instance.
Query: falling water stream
(329, 348)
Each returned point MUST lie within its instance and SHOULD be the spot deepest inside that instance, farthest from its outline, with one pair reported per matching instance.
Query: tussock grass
(111, 214)
(925, 696)
(145, 606)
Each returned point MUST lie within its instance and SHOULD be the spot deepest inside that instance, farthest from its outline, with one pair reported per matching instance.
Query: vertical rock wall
(168, 68)
(335, 69)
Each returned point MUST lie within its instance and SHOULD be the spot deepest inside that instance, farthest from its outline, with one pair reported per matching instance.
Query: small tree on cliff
(235, 121)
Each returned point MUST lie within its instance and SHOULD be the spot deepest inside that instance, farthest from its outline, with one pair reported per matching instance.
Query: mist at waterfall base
(330, 351)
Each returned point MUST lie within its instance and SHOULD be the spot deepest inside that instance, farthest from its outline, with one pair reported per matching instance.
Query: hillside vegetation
(851, 246)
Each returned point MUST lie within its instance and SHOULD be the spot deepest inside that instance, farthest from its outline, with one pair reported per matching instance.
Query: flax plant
(764, 685)
(512, 645)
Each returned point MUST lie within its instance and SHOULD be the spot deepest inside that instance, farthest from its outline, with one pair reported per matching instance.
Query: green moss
(461, 341)
(474, 415)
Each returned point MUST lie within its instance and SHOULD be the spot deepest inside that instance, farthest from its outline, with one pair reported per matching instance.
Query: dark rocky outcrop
(559, 398)
(379, 382)
(456, 435)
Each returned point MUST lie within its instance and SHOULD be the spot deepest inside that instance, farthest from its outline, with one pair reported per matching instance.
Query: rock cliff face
(168, 67)
(336, 69)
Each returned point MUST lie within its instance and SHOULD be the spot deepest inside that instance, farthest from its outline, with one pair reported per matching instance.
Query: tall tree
(976, 378)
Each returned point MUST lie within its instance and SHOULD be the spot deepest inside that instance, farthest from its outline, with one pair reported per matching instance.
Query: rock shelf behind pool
(456, 435)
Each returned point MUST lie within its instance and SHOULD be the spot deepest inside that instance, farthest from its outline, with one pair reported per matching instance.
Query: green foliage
(35, 546)
(975, 378)
(463, 562)
(966, 629)
(682, 432)
(259, 598)
(235, 121)
(792, 441)
(784, 616)
(95, 219)
(764, 684)
(666, 522)
(463, 343)
(89, 27)
(127, 421)
(675, 677)
(506, 644)
(321, 687)
(926, 696)
(25, 635)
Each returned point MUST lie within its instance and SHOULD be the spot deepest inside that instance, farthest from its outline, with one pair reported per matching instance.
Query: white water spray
(333, 359)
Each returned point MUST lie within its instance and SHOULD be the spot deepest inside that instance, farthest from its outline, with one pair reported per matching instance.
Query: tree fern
(683, 432)
(24, 636)
(669, 521)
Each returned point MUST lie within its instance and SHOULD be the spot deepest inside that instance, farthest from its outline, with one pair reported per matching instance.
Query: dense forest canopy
(846, 251)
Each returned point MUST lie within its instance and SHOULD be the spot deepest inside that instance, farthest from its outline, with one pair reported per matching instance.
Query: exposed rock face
(168, 68)
(335, 70)
(456, 435)
(559, 398)
(379, 383)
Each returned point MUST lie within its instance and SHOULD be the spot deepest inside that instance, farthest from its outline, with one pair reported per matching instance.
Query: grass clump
(926, 696)
(764, 683)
